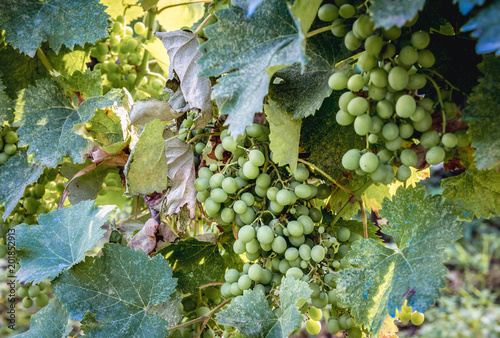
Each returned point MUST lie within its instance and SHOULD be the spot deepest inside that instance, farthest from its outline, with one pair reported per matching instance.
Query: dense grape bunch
(383, 102)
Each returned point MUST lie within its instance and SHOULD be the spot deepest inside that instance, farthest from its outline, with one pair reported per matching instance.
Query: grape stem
(326, 175)
(41, 55)
(183, 4)
(363, 217)
(202, 135)
(211, 284)
(150, 22)
(175, 136)
(203, 23)
(446, 81)
(322, 29)
(443, 113)
(200, 319)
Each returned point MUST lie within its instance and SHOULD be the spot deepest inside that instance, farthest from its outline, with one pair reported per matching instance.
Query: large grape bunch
(277, 218)
(383, 102)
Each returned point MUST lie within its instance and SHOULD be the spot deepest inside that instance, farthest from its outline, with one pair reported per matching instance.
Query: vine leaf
(194, 91)
(50, 321)
(115, 8)
(54, 117)
(483, 114)
(356, 227)
(147, 166)
(250, 6)
(146, 111)
(380, 278)
(474, 193)
(6, 111)
(466, 6)
(16, 175)
(285, 135)
(181, 173)
(109, 129)
(177, 17)
(388, 13)
(249, 50)
(87, 83)
(158, 52)
(60, 241)
(195, 263)
(28, 23)
(251, 314)
(485, 27)
(118, 288)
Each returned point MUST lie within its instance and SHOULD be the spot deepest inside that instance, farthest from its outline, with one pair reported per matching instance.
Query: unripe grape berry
(420, 39)
(328, 12)
(350, 160)
(435, 155)
(338, 81)
(417, 318)
(313, 327)
(368, 163)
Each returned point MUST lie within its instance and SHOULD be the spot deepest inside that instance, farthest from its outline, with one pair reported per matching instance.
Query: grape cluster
(8, 143)
(33, 292)
(407, 314)
(121, 59)
(278, 218)
(383, 103)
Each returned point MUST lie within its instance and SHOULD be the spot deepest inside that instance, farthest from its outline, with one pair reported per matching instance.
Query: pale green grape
(406, 130)
(417, 318)
(355, 83)
(255, 272)
(435, 155)
(250, 170)
(398, 78)
(423, 124)
(350, 160)
(378, 76)
(403, 173)
(362, 124)
(313, 327)
(429, 139)
(385, 109)
(318, 253)
(366, 61)
(246, 233)
(343, 118)
(409, 157)
(408, 55)
(347, 11)
(344, 100)
(395, 144)
(426, 58)
(265, 235)
(351, 42)
(420, 39)
(390, 131)
(339, 30)
(357, 106)
(338, 81)
(256, 157)
(463, 139)
(328, 12)
(405, 106)
(373, 45)
(368, 162)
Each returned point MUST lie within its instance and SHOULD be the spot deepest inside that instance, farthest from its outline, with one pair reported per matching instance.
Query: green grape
(22, 291)
(398, 78)
(368, 162)
(406, 130)
(254, 130)
(338, 81)
(235, 290)
(265, 235)
(435, 155)
(389, 51)
(10, 149)
(405, 106)
(34, 291)
(373, 45)
(229, 144)
(408, 157)
(429, 139)
(11, 137)
(284, 197)
(328, 12)
(426, 104)
(158, 85)
(366, 61)
(303, 191)
(275, 207)
(279, 245)
(376, 93)
(39, 190)
(408, 55)
(263, 181)
(405, 316)
(420, 39)
(239, 247)
(252, 247)
(333, 326)
(403, 173)
(248, 198)
(372, 138)
(354, 332)
(390, 131)
(211, 207)
(417, 318)
(339, 29)
(202, 196)
(318, 253)
(385, 109)
(395, 144)
(451, 110)
(426, 58)
(42, 300)
(357, 106)
(343, 234)
(417, 81)
(255, 272)
(381, 173)
(250, 170)
(295, 228)
(313, 327)
(218, 195)
(351, 42)
(30, 204)
(244, 282)
(344, 100)
(315, 314)
(227, 215)
(199, 147)
(347, 11)
(229, 185)
(343, 118)
(362, 124)
(424, 124)
(378, 76)
(305, 252)
(215, 180)
(231, 275)
(246, 233)
(463, 139)
(219, 152)
(27, 302)
(350, 160)
(139, 28)
(256, 157)
(291, 254)
(271, 193)
(201, 184)
(301, 174)
(355, 83)
(294, 272)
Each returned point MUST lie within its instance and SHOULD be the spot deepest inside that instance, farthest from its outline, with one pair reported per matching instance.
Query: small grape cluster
(37, 292)
(278, 218)
(121, 58)
(8, 143)
(407, 314)
(383, 103)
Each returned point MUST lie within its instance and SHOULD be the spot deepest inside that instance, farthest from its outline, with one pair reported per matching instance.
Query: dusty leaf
(144, 112)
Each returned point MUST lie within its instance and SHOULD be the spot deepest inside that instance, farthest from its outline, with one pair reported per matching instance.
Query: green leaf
(194, 91)
(251, 314)
(305, 11)
(118, 288)
(474, 193)
(109, 129)
(147, 167)
(60, 241)
(486, 29)
(381, 278)
(284, 136)
(177, 17)
(467, 5)
(301, 92)
(326, 140)
(28, 23)
(66, 61)
(49, 322)
(249, 50)
(158, 52)
(483, 114)
(196, 263)
(54, 117)
(356, 227)
(16, 175)
(87, 84)
(6, 111)
(116, 8)
(388, 13)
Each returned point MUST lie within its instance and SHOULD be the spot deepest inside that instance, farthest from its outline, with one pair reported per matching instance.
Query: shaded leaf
(249, 50)
(118, 288)
(28, 23)
(109, 129)
(380, 278)
(249, 6)
(195, 263)
(483, 114)
(60, 241)
(16, 175)
(356, 227)
(147, 167)
(182, 48)
(54, 117)
(146, 111)
(285, 135)
(145, 239)
(6, 111)
(467, 5)
(388, 13)
(486, 28)
(474, 193)
(87, 84)
(181, 173)
(49, 322)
